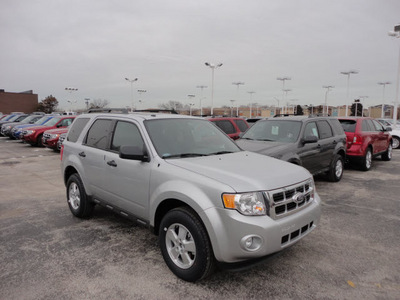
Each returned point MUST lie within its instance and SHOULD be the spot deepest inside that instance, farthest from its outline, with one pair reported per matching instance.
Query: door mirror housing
(310, 139)
(133, 153)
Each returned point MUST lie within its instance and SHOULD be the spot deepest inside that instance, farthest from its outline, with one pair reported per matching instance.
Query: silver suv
(188, 182)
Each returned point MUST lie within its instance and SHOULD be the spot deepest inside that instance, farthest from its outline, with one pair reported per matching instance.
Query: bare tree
(172, 105)
(99, 103)
(48, 105)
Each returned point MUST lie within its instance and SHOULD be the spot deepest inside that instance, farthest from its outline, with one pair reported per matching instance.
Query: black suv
(316, 143)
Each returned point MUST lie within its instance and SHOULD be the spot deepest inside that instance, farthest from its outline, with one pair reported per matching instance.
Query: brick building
(26, 102)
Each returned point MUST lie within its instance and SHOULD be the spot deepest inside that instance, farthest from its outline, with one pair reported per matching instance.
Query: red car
(232, 126)
(366, 138)
(33, 135)
(50, 137)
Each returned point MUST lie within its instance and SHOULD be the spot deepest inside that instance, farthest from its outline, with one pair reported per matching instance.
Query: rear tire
(185, 245)
(388, 154)
(335, 172)
(78, 201)
(366, 161)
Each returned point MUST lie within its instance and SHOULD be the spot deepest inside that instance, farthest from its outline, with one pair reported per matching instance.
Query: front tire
(78, 201)
(185, 245)
(366, 161)
(335, 172)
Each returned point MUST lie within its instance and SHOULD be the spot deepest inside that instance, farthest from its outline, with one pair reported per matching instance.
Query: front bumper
(228, 229)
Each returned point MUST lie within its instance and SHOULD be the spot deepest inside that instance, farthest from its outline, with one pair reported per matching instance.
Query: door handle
(82, 154)
(112, 163)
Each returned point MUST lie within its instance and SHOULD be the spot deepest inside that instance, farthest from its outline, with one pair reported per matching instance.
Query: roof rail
(286, 115)
(107, 110)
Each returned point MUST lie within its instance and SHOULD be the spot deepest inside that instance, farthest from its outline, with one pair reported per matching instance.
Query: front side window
(126, 134)
(97, 135)
(311, 130)
(66, 122)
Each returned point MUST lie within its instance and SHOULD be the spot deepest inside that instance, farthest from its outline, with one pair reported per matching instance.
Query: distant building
(26, 102)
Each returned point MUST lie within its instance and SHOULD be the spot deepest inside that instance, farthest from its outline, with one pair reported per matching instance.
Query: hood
(57, 130)
(245, 171)
(264, 147)
(38, 127)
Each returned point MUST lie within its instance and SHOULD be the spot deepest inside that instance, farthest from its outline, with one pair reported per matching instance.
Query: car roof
(138, 116)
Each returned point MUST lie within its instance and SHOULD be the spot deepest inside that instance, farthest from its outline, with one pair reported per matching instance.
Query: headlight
(251, 204)
(28, 132)
(54, 136)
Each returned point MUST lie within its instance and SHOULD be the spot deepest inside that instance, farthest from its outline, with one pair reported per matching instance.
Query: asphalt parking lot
(46, 253)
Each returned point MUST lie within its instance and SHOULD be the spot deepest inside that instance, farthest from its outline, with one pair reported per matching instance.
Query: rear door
(382, 137)
(327, 143)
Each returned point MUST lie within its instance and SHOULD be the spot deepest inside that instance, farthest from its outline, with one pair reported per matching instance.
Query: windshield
(42, 120)
(28, 119)
(13, 118)
(174, 138)
(283, 131)
(52, 122)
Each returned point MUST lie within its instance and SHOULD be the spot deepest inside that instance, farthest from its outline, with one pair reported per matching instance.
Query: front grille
(46, 136)
(288, 200)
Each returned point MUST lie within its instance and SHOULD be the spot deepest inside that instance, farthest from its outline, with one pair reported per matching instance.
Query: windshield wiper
(265, 140)
(181, 155)
(220, 152)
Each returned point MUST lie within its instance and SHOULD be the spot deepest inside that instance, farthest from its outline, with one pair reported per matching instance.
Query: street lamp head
(220, 64)
(384, 83)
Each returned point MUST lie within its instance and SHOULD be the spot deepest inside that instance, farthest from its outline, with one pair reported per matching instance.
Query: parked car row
(36, 129)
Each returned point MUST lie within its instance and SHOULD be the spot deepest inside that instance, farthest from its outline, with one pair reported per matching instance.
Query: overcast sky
(92, 45)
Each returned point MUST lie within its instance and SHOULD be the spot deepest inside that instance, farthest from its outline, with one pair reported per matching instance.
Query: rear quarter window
(76, 129)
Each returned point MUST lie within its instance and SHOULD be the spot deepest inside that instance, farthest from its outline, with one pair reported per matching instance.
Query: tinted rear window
(348, 125)
(226, 126)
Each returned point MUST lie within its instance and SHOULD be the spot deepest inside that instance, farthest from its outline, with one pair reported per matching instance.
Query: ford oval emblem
(298, 198)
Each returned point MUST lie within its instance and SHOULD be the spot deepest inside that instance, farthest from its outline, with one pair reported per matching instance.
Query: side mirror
(133, 153)
(310, 139)
(388, 128)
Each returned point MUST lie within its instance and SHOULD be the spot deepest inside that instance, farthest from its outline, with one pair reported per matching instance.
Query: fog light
(251, 242)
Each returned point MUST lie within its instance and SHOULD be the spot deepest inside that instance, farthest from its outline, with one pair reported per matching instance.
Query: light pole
(213, 67)
(232, 106)
(140, 95)
(131, 81)
(276, 99)
(383, 97)
(348, 73)
(396, 34)
(251, 100)
(87, 103)
(237, 83)
(283, 79)
(70, 90)
(285, 92)
(202, 87)
(190, 104)
(328, 88)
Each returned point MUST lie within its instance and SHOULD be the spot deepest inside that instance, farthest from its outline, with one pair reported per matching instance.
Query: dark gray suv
(316, 143)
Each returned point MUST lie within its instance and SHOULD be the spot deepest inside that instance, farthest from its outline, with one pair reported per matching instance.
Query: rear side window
(365, 126)
(97, 136)
(76, 129)
(66, 122)
(126, 134)
(325, 130)
(226, 126)
(242, 125)
(348, 125)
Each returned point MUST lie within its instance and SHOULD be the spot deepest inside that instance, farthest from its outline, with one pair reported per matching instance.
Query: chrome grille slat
(281, 201)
